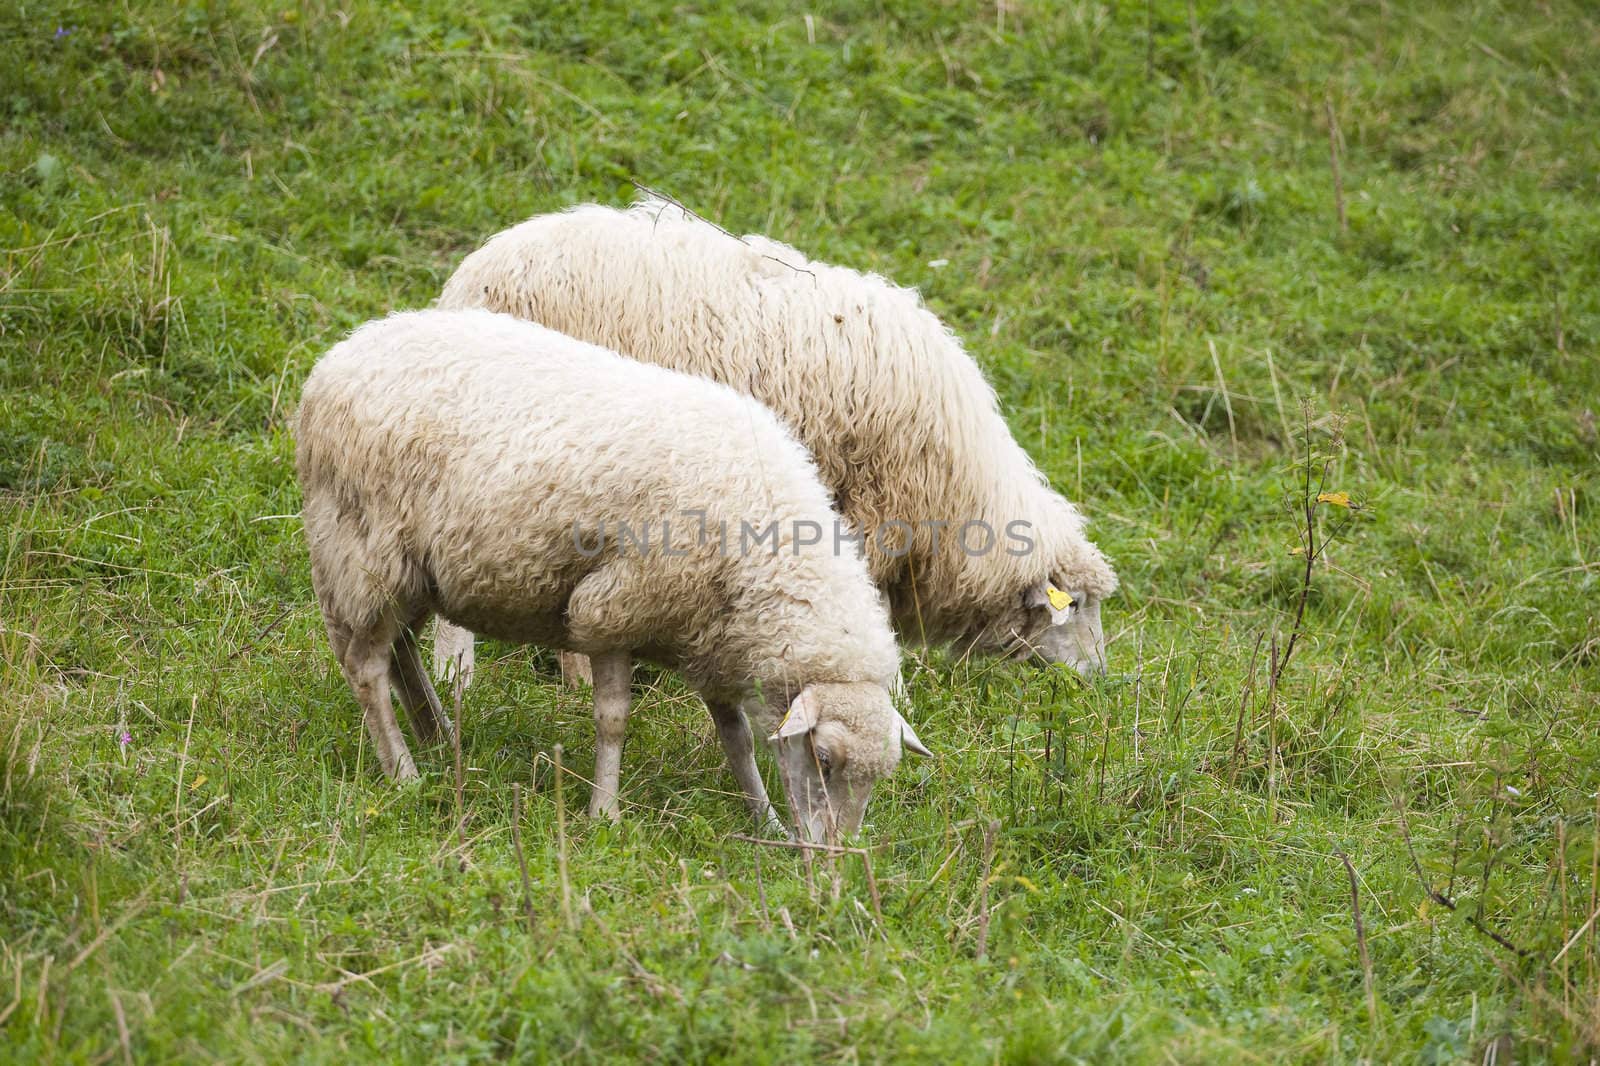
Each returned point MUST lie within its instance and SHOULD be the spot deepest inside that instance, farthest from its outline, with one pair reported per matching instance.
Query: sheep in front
(535, 488)
(966, 539)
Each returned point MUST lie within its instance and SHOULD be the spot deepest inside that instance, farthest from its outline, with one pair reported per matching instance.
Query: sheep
(470, 465)
(906, 431)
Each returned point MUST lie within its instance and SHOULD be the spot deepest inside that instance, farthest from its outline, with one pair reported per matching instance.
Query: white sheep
(904, 428)
(502, 475)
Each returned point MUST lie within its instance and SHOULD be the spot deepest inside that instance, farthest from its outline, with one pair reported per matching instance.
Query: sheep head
(833, 745)
(1056, 620)
(1065, 625)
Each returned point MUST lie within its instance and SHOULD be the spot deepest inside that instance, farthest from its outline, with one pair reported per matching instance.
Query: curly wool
(445, 457)
(902, 423)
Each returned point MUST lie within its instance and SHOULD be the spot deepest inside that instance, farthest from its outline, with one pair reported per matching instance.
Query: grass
(1129, 213)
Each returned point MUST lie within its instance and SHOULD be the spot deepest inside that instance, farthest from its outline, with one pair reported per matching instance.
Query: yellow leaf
(1337, 499)
(199, 780)
(1297, 551)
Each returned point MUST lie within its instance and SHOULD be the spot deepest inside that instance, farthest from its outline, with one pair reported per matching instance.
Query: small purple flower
(62, 31)
(126, 738)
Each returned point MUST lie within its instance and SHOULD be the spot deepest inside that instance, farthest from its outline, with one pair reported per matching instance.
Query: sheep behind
(905, 430)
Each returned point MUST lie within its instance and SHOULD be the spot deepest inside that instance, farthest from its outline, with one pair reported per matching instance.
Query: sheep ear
(1057, 602)
(909, 739)
(802, 716)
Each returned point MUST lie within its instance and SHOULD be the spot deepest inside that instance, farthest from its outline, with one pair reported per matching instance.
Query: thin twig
(1582, 929)
(989, 832)
(1273, 764)
(1138, 696)
(1361, 938)
(122, 1026)
(811, 875)
(1594, 891)
(679, 204)
(259, 637)
(1309, 501)
(1227, 403)
(1489, 842)
(1474, 920)
(177, 792)
(1566, 920)
(1477, 922)
(872, 885)
(1455, 854)
(761, 891)
(516, 842)
(1011, 764)
(349, 978)
(1411, 852)
(796, 845)
(1309, 505)
(1244, 700)
(461, 819)
(561, 843)
(1333, 156)
(1105, 751)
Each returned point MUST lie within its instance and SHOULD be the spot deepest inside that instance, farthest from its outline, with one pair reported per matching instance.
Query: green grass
(1134, 207)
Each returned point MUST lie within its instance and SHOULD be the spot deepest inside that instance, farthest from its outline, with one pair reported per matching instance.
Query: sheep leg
(338, 637)
(452, 651)
(576, 669)
(734, 730)
(612, 672)
(366, 664)
(428, 719)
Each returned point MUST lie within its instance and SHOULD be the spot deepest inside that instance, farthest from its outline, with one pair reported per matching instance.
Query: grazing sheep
(904, 428)
(502, 475)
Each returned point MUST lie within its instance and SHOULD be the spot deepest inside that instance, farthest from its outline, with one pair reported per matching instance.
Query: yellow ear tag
(1059, 600)
(778, 730)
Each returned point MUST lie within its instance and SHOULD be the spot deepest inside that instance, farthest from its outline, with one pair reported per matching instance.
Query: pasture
(1248, 281)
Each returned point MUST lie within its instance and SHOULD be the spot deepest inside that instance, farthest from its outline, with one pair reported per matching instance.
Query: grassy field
(1133, 215)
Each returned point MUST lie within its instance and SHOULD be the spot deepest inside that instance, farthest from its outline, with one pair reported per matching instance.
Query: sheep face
(1050, 623)
(833, 745)
(1070, 634)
